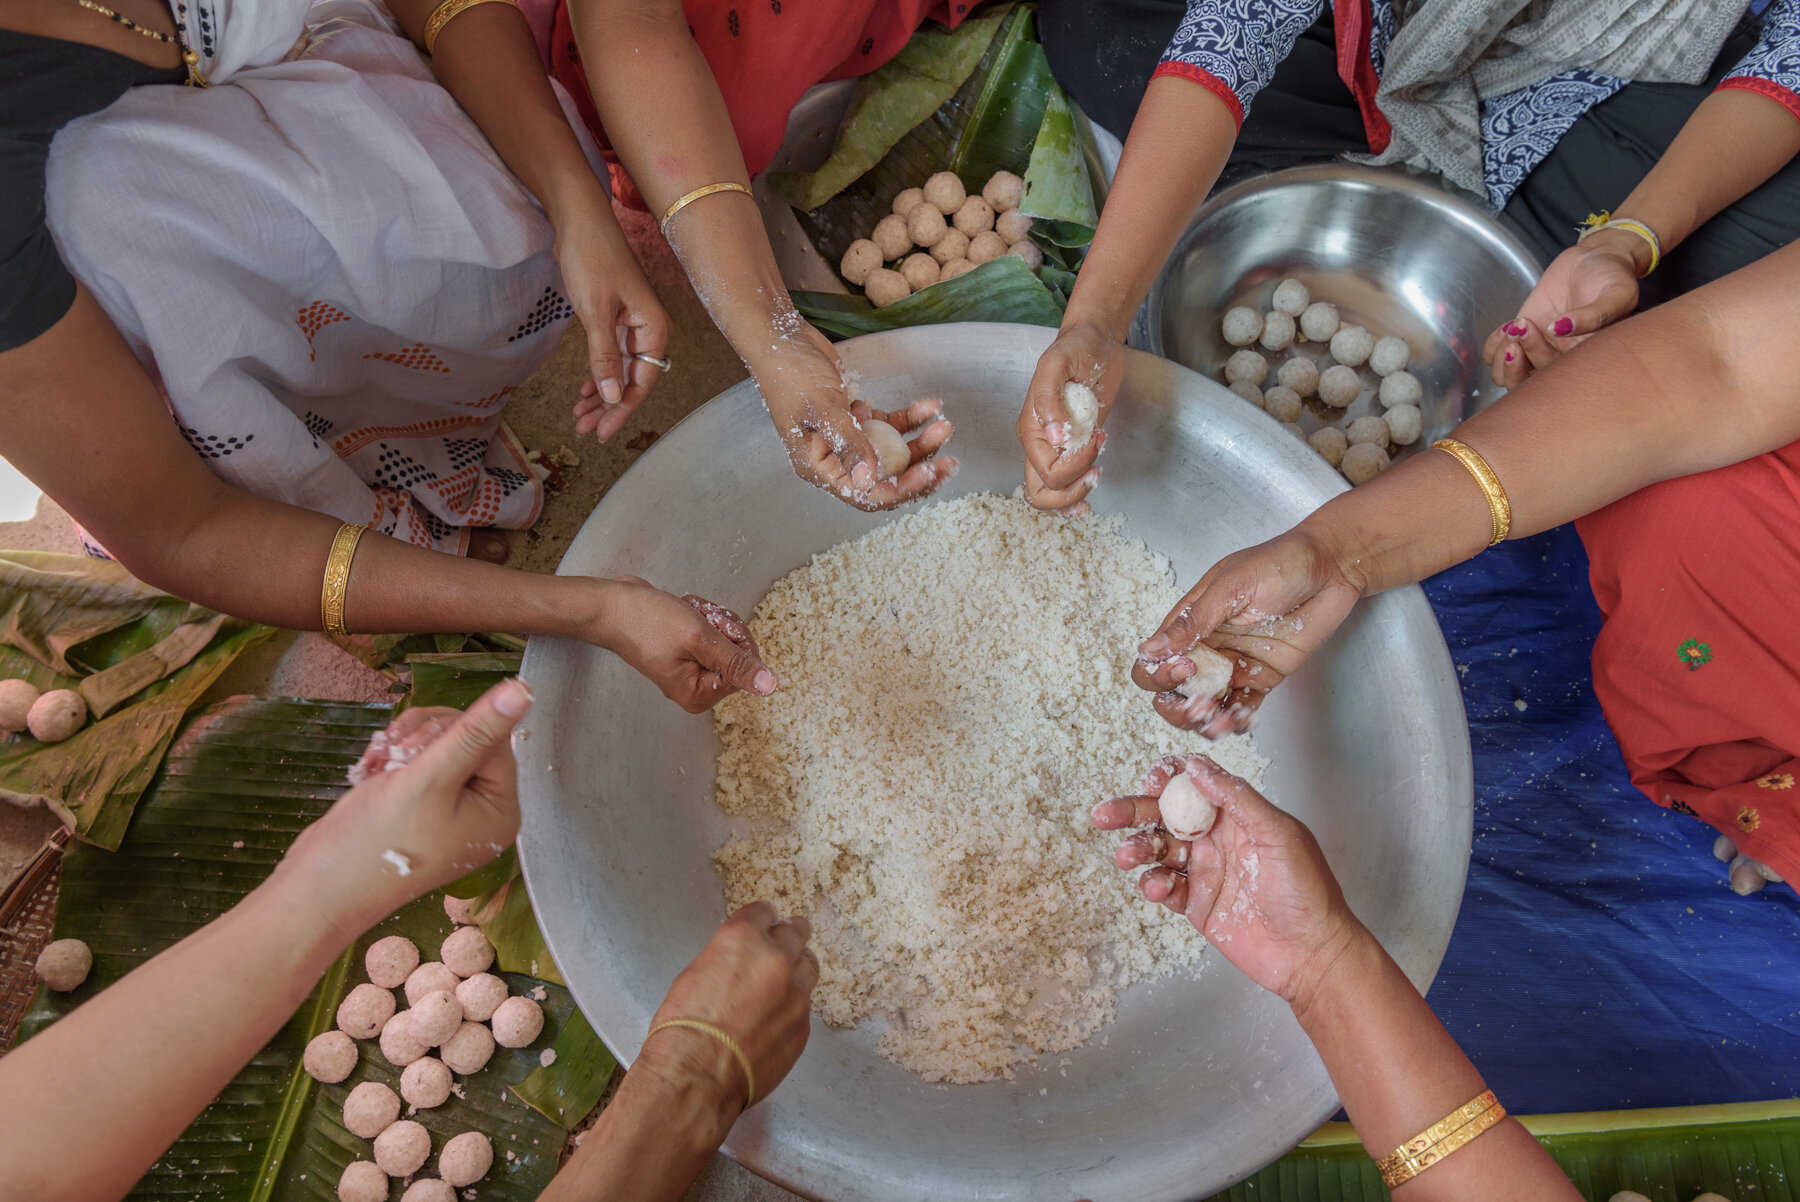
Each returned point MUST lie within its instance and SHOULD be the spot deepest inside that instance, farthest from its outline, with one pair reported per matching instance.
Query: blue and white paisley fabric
(1776, 55)
(1240, 42)
(1381, 34)
(1519, 129)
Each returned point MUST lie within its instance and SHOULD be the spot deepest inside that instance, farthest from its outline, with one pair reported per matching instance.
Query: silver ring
(650, 359)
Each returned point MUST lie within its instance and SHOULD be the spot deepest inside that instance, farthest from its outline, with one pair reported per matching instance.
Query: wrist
(690, 1081)
(1332, 974)
(1109, 317)
(1626, 245)
(321, 906)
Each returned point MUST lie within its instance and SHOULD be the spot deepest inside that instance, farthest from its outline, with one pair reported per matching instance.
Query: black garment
(45, 83)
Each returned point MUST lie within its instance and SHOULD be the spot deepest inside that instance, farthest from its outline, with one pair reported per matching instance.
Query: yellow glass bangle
(1499, 508)
(696, 194)
(337, 579)
(1604, 220)
(1447, 1125)
(448, 11)
(1460, 1138)
(731, 1045)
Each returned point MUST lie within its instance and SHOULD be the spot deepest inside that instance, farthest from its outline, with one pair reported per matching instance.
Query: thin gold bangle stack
(731, 1045)
(448, 11)
(696, 194)
(1603, 220)
(1499, 506)
(336, 589)
(1455, 1130)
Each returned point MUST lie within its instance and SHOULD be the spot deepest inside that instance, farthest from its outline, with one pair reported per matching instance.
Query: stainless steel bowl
(1201, 1080)
(1396, 252)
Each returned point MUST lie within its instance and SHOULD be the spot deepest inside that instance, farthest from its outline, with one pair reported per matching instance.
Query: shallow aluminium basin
(1202, 1079)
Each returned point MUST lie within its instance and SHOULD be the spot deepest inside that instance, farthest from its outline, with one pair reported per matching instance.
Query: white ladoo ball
(1187, 813)
(1083, 408)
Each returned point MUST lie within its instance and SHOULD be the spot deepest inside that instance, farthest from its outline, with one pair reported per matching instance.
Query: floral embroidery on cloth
(1776, 780)
(1693, 653)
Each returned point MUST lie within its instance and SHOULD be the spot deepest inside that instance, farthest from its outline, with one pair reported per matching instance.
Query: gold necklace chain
(188, 58)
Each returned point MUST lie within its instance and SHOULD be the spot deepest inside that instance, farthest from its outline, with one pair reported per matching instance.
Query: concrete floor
(306, 665)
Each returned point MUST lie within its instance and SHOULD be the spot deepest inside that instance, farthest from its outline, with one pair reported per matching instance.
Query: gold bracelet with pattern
(1438, 1130)
(696, 194)
(337, 579)
(1396, 1176)
(448, 11)
(1499, 507)
(731, 1045)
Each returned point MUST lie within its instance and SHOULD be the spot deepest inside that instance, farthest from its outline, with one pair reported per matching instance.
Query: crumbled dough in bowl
(956, 696)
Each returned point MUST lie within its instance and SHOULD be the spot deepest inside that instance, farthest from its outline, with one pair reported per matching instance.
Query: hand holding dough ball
(369, 1109)
(1291, 297)
(429, 977)
(1083, 408)
(429, 1189)
(1004, 191)
(1277, 331)
(16, 700)
(986, 245)
(920, 270)
(891, 236)
(480, 996)
(862, 258)
(1390, 355)
(1330, 443)
(1368, 429)
(892, 453)
(390, 961)
(399, 1046)
(1012, 227)
(1248, 391)
(1351, 346)
(435, 1018)
(64, 964)
(466, 1158)
(1029, 251)
(884, 287)
(329, 1057)
(908, 200)
(1405, 424)
(1400, 388)
(56, 715)
(1246, 365)
(954, 268)
(402, 1149)
(1364, 462)
(953, 245)
(945, 193)
(517, 1022)
(363, 1181)
(460, 910)
(1320, 321)
(1212, 673)
(1299, 373)
(362, 1013)
(1283, 403)
(424, 1084)
(1241, 326)
(974, 216)
(1339, 385)
(1187, 813)
(469, 1050)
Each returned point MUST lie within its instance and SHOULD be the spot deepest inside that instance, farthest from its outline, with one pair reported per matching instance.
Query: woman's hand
(622, 317)
(1256, 885)
(1267, 607)
(696, 652)
(1083, 353)
(1587, 288)
(802, 382)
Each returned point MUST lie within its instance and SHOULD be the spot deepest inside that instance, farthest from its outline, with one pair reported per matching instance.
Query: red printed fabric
(766, 53)
(1698, 664)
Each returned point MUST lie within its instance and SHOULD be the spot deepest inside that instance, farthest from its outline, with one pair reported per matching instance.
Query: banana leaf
(1058, 192)
(1004, 124)
(890, 101)
(1002, 289)
(569, 1087)
(458, 679)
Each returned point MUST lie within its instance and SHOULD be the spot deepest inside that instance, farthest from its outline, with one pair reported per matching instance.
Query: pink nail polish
(1509, 356)
(1517, 329)
(1564, 327)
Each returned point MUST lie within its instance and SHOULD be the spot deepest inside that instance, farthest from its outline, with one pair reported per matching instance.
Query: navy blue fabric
(1599, 961)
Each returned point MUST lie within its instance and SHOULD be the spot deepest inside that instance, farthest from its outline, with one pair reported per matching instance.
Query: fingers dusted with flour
(732, 657)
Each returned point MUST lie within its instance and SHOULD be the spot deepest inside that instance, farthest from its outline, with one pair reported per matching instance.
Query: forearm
(1398, 1071)
(1179, 143)
(649, 1144)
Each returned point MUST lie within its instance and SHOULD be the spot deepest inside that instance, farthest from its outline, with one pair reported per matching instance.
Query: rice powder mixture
(956, 695)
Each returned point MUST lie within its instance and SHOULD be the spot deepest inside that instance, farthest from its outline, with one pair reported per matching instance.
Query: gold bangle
(731, 1045)
(696, 194)
(1438, 1130)
(1499, 507)
(448, 11)
(1412, 1166)
(337, 579)
(1604, 220)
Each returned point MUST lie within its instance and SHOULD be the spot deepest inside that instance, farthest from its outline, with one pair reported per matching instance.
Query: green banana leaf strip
(1002, 289)
(489, 877)
(242, 781)
(110, 688)
(505, 917)
(1058, 192)
(889, 102)
(52, 604)
(1003, 127)
(458, 679)
(582, 1064)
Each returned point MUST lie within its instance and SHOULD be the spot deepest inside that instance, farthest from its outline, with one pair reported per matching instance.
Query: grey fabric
(1448, 56)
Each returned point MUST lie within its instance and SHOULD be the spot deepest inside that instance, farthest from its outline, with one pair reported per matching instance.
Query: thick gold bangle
(1438, 1130)
(1604, 220)
(696, 194)
(1397, 1175)
(1499, 508)
(731, 1045)
(448, 11)
(337, 579)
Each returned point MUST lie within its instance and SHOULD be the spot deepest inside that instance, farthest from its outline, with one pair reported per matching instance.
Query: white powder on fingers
(932, 819)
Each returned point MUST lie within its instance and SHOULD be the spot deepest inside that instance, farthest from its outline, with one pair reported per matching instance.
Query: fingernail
(1056, 433)
(1564, 327)
(1517, 329)
(861, 476)
(611, 392)
(764, 684)
(1509, 356)
(513, 698)
(1154, 646)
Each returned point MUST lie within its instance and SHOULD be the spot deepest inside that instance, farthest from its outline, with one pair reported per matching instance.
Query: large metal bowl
(1396, 252)
(1201, 1080)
